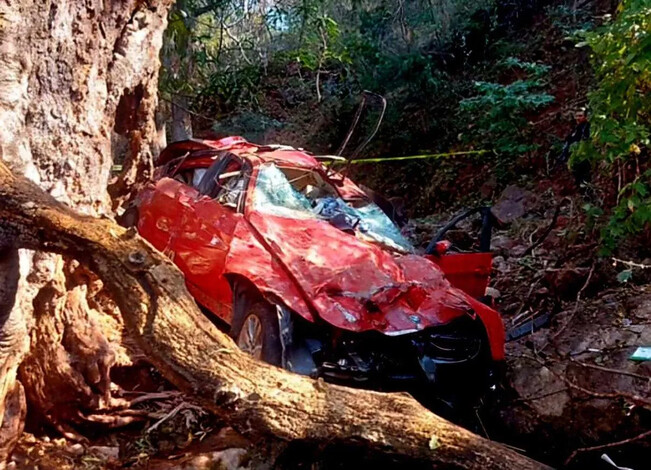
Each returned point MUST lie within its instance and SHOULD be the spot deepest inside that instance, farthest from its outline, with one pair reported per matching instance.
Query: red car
(309, 274)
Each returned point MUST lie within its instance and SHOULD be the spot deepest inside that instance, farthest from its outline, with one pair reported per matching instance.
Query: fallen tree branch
(258, 400)
(639, 437)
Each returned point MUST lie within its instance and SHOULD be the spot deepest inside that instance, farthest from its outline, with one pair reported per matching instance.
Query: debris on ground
(572, 330)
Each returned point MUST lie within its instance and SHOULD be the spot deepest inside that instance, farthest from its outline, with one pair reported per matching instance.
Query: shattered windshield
(301, 194)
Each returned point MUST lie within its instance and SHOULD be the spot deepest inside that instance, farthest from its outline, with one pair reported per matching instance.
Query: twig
(172, 413)
(324, 37)
(169, 415)
(636, 399)
(154, 396)
(547, 231)
(524, 302)
(612, 371)
(238, 43)
(189, 111)
(631, 264)
(576, 309)
(607, 446)
(602, 350)
(541, 396)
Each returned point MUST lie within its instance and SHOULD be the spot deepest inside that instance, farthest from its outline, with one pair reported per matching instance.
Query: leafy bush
(621, 113)
(497, 112)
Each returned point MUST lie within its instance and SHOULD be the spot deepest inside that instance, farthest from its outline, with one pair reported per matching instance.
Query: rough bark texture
(78, 89)
(256, 399)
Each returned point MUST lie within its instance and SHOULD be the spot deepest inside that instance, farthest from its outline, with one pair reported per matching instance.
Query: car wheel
(255, 328)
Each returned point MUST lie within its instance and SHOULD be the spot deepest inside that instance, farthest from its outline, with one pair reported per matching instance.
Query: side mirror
(442, 247)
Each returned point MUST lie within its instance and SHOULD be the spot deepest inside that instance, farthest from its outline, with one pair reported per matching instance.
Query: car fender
(494, 326)
(248, 258)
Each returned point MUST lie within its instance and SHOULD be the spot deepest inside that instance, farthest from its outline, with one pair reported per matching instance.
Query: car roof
(239, 146)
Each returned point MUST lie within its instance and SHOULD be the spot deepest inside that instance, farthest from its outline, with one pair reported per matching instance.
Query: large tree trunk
(78, 89)
(259, 400)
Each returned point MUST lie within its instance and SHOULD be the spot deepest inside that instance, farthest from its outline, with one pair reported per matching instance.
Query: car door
(204, 236)
(469, 272)
(159, 214)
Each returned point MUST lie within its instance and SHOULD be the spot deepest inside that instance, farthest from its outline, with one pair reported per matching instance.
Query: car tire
(255, 327)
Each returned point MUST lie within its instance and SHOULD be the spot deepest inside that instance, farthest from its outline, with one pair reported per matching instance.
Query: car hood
(356, 285)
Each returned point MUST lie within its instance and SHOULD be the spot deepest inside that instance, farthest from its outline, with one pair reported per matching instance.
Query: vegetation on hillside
(621, 115)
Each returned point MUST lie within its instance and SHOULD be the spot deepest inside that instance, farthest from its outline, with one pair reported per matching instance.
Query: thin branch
(547, 231)
(612, 371)
(239, 44)
(630, 264)
(541, 396)
(189, 111)
(635, 399)
(639, 437)
(155, 396)
(321, 59)
(169, 415)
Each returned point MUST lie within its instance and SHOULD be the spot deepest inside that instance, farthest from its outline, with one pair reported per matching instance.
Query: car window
(184, 176)
(225, 181)
(274, 194)
(303, 194)
(190, 177)
(197, 174)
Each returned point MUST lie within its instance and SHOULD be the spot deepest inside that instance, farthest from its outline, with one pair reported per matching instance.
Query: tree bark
(258, 400)
(79, 92)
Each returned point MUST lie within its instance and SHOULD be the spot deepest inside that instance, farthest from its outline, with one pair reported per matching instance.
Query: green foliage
(497, 111)
(621, 113)
(569, 17)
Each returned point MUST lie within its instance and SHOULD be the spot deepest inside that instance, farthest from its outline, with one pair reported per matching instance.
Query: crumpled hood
(357, 286)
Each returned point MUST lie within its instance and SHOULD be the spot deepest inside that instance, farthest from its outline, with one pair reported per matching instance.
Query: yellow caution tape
(410, 157)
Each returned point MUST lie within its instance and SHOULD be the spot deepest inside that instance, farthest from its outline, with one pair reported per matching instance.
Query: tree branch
(610, 445)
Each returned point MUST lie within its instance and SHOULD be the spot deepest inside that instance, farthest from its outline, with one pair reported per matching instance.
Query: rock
(493, 293)
(106, 452)
(514, 202)
(500, 265)
(488, 187)
(502, 243)
(76, 449)
(230, 459)
(566, 283)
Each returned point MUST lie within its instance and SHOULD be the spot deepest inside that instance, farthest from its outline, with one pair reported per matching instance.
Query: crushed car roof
(239, 146)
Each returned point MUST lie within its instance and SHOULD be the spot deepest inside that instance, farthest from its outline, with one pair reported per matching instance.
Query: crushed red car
(306, 272)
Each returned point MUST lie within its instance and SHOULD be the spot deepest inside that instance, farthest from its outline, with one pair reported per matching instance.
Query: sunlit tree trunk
(78, 91)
